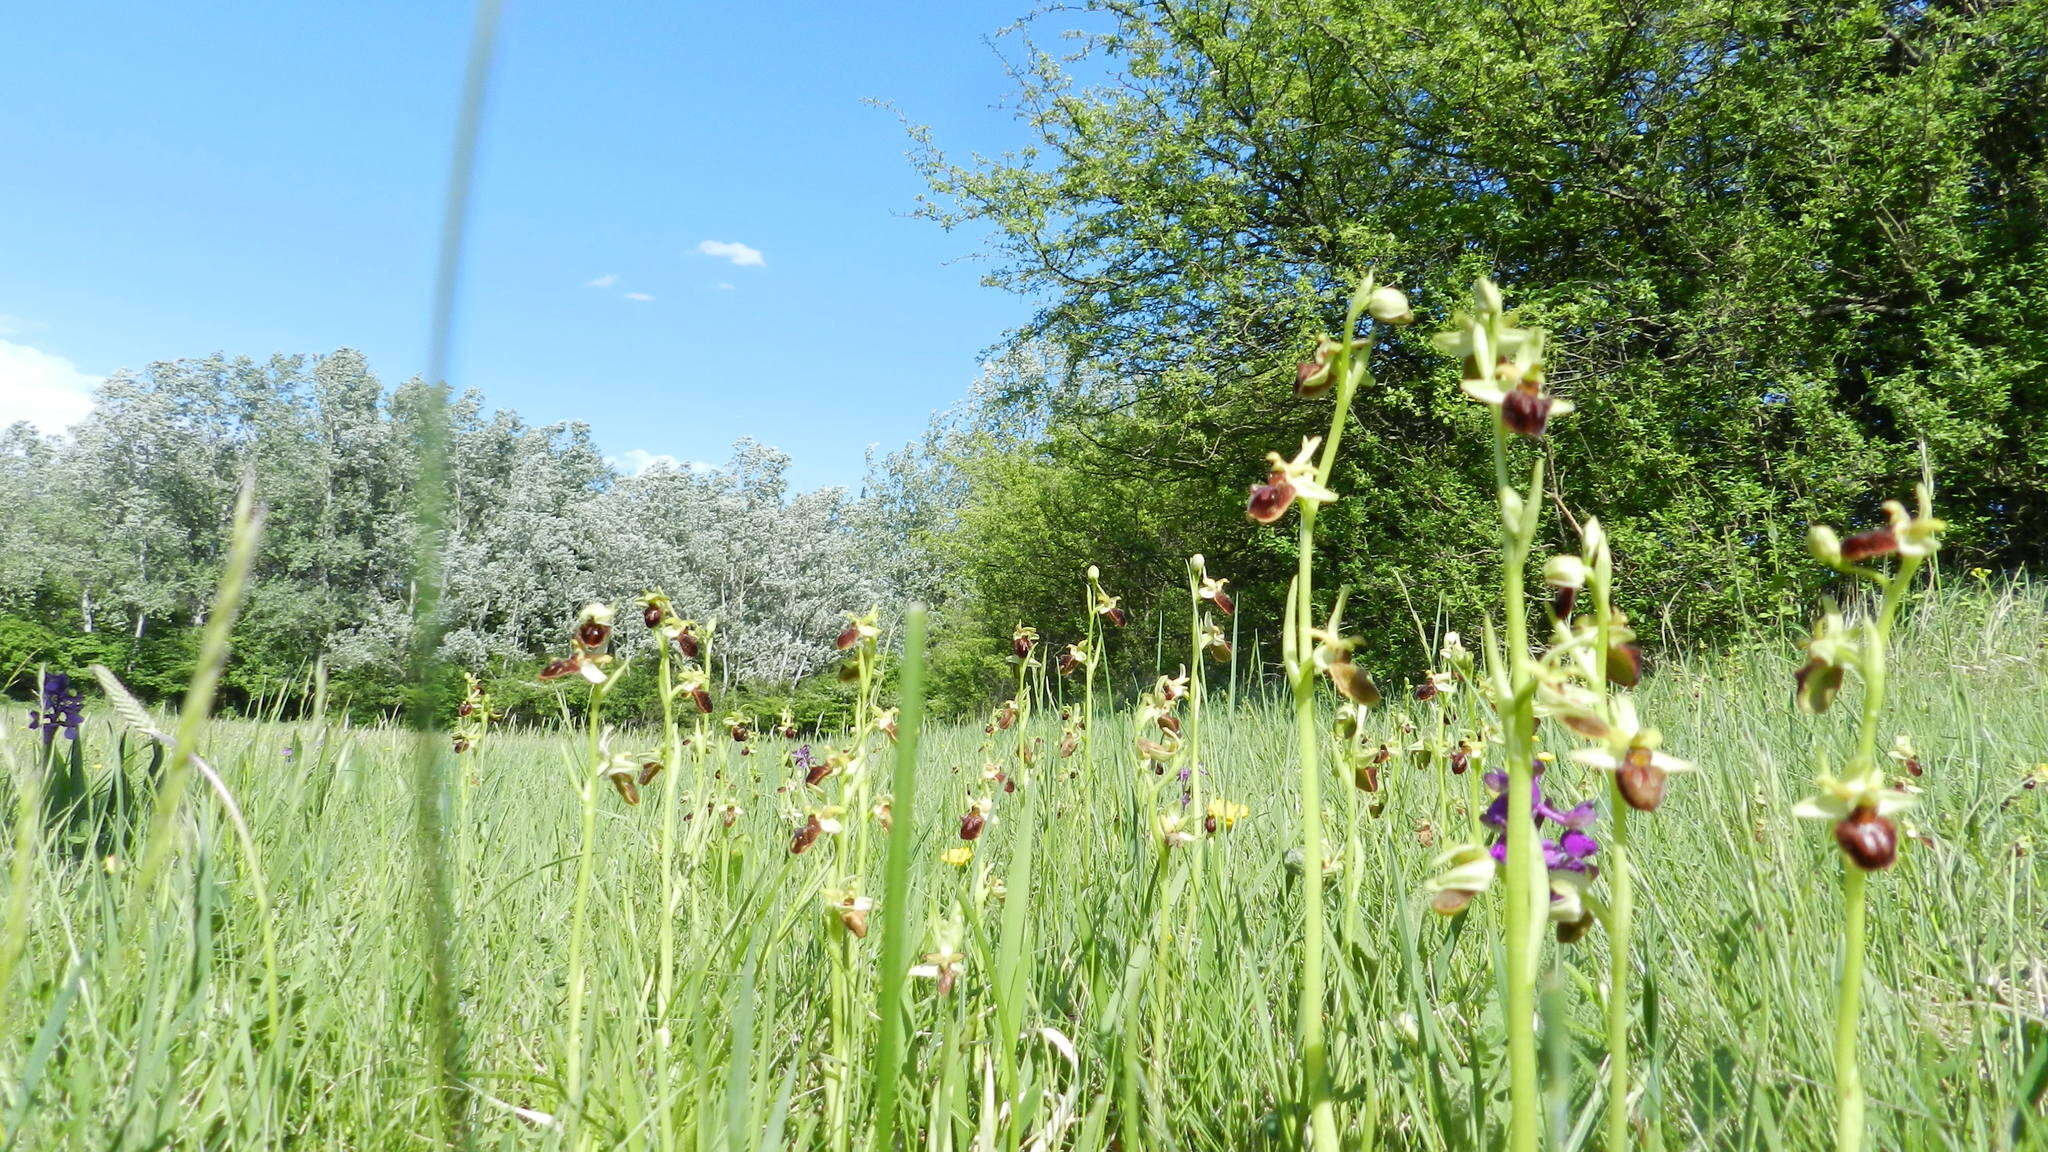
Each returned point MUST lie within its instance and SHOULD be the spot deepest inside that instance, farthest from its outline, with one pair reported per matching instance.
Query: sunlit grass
(1737, 924)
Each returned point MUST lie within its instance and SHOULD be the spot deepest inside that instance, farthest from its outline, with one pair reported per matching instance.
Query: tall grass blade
(428, 694)
(898, 920)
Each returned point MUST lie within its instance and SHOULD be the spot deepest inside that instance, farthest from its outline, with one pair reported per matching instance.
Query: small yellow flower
(1225, 814)
(958, 856)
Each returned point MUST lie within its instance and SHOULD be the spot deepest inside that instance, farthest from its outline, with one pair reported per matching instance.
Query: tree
(1778, 248)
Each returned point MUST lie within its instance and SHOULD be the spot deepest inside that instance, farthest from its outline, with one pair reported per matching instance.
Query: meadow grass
(153, 1031)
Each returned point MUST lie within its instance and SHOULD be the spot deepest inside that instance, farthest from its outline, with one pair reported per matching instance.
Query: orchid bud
(1824, 544)
(1564, 571)
(1486, 296)
(1390, 306)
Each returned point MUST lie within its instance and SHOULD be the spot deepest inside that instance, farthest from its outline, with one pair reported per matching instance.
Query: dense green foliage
(163, 1041)
(1777, 247)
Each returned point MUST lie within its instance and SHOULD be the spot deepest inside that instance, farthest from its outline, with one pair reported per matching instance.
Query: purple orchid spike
(60, 709)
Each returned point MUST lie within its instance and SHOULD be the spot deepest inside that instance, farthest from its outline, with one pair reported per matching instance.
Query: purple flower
(60, 708)
(1577, 819)
(802, 757)
(1572, 852)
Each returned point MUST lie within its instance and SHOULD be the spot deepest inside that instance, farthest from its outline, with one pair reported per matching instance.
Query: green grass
(154, 1032)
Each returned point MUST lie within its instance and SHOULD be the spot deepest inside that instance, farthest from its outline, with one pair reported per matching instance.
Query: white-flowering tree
(120, 526)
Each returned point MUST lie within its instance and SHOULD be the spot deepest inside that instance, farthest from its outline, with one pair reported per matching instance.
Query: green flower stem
(1620, 873)
(1193, 752)
(1848, 1005)
(1620, 923)
(671, 750)
(1526, 880)
(1309, 1017)
(1094, 643)
(1855, 882)
(579, 922)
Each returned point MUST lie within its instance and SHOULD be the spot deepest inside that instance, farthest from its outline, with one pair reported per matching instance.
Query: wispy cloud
(17, 326)
(46, 390)
(740, 254)
(641, 297)
(724, 287)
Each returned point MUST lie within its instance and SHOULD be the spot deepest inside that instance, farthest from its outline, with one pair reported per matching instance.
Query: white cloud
(604, 281)
(734, 251)
(17, 326)
(640, 297)
(724, 287)
(45, 390)
(634, 461)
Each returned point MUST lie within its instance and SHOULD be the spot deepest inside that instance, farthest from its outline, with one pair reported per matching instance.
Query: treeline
(1779, 248)
(113, 537)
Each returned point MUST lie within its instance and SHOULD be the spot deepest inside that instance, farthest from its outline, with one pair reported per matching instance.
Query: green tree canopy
(1777, 248)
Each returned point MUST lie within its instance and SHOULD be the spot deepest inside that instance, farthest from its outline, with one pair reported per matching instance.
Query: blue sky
(258, 178)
